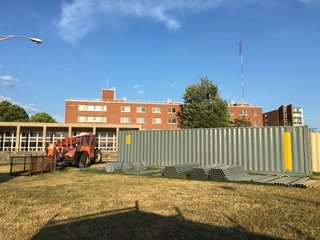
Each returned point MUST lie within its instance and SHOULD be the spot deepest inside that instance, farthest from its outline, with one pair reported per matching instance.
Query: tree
(4, 107)
(281, 123)
(312, 129)
(12, 113)
(203, 107)
(241, 122)
(42, 117)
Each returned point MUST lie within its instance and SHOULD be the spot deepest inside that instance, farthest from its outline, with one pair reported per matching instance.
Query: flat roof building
(109, 110)
(284, 116)
(252, 113)
(31, 136)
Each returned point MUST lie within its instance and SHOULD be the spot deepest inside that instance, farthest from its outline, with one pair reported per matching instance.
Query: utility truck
(79, 150)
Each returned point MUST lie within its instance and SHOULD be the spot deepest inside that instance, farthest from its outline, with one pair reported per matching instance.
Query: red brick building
(252, 113)
(150, 115)
(109, 110)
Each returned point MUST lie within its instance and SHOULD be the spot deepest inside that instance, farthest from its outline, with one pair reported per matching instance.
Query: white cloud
(79, 17)
(136, 86)
(6, 78)
(141, 91)
(310, 2)
(8, 82)
(3, 98)
(30, 109)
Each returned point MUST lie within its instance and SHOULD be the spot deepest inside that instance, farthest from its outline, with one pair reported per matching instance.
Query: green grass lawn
(74, 204)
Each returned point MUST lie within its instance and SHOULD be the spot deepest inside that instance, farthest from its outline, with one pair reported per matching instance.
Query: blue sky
(151, 50)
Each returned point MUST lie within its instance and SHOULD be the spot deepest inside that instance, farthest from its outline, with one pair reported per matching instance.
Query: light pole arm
(36, 40)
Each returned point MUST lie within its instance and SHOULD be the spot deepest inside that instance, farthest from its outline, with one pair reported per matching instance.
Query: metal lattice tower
(242, 72)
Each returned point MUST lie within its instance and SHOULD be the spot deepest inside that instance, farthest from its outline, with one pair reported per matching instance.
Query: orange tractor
(78, 150)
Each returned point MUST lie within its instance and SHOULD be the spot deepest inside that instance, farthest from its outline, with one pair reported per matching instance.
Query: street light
(36, 40)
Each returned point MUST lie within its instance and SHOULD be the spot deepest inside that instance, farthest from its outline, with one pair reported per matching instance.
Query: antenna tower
(242, 74)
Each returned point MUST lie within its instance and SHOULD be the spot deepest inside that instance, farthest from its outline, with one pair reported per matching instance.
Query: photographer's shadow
(131, 223)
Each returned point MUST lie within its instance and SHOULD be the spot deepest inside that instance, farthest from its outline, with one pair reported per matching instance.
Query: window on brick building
(156, 110)
(141, 109)
(172, 120)
(255, 113)
(231, 112)
(125, 109)
(141, 120)
(255, 123)
(125, 120)
(156, 120)
(243, 112)
(171, 110)
(94, 108)
(92, 119)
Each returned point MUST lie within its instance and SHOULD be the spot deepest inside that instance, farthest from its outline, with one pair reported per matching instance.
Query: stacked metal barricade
(178, 170)
(123, 166)
(236, 173)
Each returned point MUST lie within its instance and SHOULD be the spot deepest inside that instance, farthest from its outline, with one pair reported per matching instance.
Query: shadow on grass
(4, 177)
(287, 199)
(228, 188)
(131, 223)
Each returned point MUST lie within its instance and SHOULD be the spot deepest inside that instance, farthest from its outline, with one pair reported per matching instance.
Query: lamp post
(36, 40)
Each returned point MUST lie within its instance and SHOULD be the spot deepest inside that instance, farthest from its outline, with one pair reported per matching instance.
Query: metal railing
(29, 165)
(121, 100)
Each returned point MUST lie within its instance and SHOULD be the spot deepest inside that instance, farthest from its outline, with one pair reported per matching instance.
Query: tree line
(13, 113)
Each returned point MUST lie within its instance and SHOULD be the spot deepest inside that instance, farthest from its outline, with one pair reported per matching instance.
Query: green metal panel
(257, 149)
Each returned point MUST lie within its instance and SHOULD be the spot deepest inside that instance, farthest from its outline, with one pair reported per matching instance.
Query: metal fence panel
(315, 151)
(265, 149)
(28, 165)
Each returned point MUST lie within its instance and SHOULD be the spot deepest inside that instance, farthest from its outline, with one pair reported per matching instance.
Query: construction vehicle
(79, 150)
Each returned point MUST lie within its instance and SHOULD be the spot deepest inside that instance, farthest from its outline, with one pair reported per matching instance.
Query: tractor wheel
(84, 160)
(77, 158)
(97, 156)
(58, 156)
